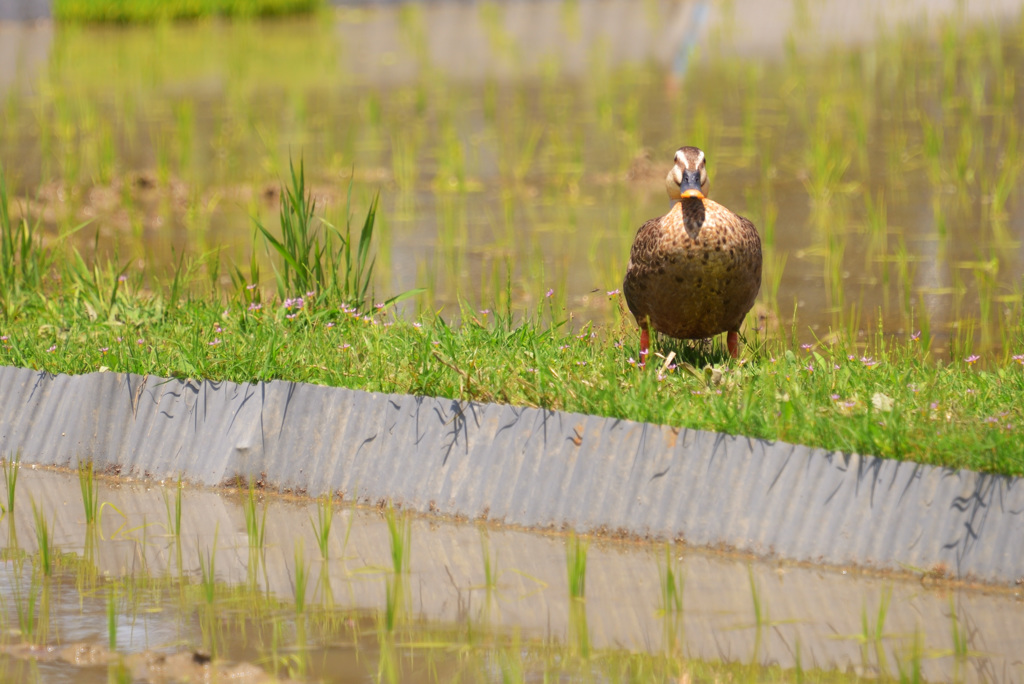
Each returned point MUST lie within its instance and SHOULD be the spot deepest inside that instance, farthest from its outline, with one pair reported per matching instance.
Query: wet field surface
(242, 588)
(877, 151)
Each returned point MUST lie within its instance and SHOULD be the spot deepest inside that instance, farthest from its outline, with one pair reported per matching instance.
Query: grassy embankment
(889, 397)
(148, 11)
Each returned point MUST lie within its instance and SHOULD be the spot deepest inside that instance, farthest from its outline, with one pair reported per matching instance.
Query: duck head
(689, 176)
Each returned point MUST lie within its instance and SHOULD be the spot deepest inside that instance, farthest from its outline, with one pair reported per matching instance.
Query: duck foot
(645, 343)
(732, 340)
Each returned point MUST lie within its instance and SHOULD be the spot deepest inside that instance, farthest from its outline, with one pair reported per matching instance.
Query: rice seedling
(760, 617)
(255, 524)
(400, 533)
(322, 525)
(394, 597)
(576, 566)
(301, 578)
(112, 617)
(872, 634)
(90, 497)
(33, 610)
(208, 573)
(490, 561)
(118, 672)
(173, 516)
(579, 630)
(671, 583)
(10, 467)
(44, 541)
(960, 636)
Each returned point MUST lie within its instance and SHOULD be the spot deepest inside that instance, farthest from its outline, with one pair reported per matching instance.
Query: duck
(695, 272)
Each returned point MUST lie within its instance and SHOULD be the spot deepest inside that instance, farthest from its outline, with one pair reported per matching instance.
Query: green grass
(879, 394)
(149, 11)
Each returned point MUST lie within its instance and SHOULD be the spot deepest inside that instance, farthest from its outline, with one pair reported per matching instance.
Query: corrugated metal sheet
(528, 467)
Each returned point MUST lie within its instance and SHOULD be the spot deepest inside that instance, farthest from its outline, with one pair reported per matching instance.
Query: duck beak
(690, 185)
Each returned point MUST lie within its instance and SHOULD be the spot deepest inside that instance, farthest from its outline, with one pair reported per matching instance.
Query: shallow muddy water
(442, 619)
(878, 150)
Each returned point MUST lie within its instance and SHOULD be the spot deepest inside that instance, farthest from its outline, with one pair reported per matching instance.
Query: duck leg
(645, 343)
(732, 340)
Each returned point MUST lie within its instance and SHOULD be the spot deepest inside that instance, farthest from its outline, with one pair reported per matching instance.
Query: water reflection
(722, 608)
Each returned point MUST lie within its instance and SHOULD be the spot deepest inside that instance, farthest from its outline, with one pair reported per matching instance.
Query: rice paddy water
(878, 155)
(127, 594)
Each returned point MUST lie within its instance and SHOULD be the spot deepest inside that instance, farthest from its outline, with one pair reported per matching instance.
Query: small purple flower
(835, 397)
(916, 336)
(581, 363)
(631, 361)
(140, 341)
(291, 316)
(810, 368)
(992, 420)
(251, 287)
(934, 405)
(485, 311)
(549, 293)
(617, 344)
(417, 325)
(330, 324)
(379, 305)
(972, 359)
(52, 349)
(122, 278)
(255, 306)
(612, 293)
(345, 346)
(104, 350)
(805, 347)
(311, 293)
(1019, 358)
(4, 338)
(215, 342)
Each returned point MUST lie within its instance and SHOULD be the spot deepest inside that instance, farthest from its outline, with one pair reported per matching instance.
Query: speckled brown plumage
(694, 272)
